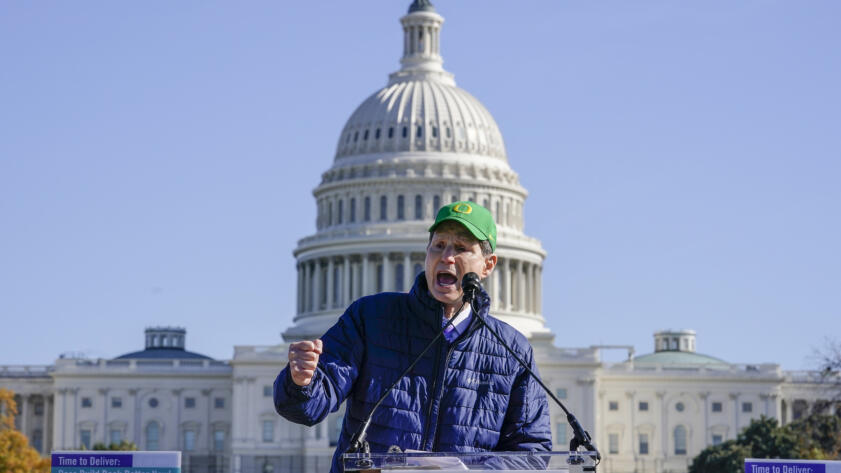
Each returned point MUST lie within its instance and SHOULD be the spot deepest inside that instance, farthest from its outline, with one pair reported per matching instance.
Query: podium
(409, 462)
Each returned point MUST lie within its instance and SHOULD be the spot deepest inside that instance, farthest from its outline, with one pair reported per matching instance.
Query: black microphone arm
(580, 438)
(357, 443)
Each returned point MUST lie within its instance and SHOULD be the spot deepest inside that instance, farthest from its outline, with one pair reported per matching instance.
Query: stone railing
(26, 371)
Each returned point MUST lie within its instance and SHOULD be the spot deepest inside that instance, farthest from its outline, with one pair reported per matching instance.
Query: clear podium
(573, 462)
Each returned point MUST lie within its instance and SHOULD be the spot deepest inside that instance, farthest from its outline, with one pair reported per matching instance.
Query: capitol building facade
(417, 143)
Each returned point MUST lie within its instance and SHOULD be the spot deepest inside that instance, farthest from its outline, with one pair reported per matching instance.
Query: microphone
(581, 438)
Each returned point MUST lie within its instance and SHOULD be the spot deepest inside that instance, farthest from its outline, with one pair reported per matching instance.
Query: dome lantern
(421, 46)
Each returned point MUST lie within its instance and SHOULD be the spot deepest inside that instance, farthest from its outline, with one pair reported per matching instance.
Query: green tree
(16, 455)
(818, 436)
(766, 439)
(727, 457)
(124, 446)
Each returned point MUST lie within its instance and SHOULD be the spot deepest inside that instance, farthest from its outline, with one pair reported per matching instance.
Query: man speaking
(466, 394)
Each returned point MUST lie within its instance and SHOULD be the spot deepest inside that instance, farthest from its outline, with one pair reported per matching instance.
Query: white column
(355, 272)
(178, 434)
(388, 274)
(735, 398)
(533, 289)
(316, 285)
(300, 288)
(24, 400)
(508, 285)
(307, 300)
(407, 272)
(540, 289)
(104, 392)
(664, 434)
(366, 274)
(346, 297)
(136, 421)
(330, 268)
(632, 398)
(705, 396)
(521, 289)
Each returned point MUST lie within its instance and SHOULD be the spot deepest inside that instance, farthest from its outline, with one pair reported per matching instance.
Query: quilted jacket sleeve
(338, 367)
(526, 425)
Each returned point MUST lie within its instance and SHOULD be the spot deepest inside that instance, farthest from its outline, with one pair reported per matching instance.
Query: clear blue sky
(157, 160)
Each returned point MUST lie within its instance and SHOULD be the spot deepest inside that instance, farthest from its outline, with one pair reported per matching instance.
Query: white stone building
(415, 144)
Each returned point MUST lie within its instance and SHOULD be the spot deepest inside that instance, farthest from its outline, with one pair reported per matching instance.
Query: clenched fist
(303, 358)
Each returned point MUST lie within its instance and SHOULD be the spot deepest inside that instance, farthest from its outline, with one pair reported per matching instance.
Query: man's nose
(449, 253)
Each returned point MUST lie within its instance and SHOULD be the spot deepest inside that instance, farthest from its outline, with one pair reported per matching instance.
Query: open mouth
(445, 279)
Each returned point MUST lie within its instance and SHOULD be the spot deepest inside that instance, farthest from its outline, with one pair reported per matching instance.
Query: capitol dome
(414, 145)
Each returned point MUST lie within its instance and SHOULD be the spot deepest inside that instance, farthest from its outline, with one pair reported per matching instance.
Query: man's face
(452, 253)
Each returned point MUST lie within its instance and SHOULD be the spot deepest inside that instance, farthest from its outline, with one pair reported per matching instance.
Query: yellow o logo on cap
(462, 208)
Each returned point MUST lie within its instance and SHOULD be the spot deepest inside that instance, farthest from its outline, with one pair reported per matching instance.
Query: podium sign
(104, 461)
(574, 462)
(756, 465)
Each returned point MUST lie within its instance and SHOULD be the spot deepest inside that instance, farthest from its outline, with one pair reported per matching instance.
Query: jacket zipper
(440, 395)
(431, 400)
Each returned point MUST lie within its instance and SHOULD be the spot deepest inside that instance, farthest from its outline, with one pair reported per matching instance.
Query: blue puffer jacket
(467, 396)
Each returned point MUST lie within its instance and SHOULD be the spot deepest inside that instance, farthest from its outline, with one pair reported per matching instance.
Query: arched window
(680, 440)
(419, 133)
(365, 136)
(418, 207)
(383, 207)
(153, 434)
(401, 206)
(405, 131)
(398, 277)
(391, 132)
(376, 136)
(352, 210)
(367, 211)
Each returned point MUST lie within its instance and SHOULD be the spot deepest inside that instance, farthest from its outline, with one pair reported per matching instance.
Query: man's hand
(303, 359)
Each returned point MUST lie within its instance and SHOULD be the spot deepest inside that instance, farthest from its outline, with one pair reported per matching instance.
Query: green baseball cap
(477, 219)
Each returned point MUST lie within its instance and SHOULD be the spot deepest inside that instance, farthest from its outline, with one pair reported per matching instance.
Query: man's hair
(485, 245)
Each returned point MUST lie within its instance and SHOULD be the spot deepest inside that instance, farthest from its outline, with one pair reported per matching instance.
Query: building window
(189, 440)
(329, 213)
(613, 406)
(379, 278)
(377, 134)
(116, 402)
(219, 403)
(152, 436)
(613, 443)
(391, 132)
(643, 406)
(153, 402)
(449, 134)
(87, 402)
(38, 439)
(561, 393)
(717, 407)
(268, 431)
(366, 215)
(115, 436)
(267, 391)
(419, 133)
(352, 210)
(341, 215)
(39, 408)
(679, 407)
(643, 444)
(401, 208)
(218, 440)
(747, 407)
(680, 440)
(383, 207)
(356, 136)
(398, 278)
(405, 132)
(561, 433)
(435, 132)
(418, 207)
(717, 439)
(85, 437)
(189, 403)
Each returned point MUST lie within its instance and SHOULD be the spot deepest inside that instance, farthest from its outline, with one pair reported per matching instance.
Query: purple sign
(783, 466)
(92, 459)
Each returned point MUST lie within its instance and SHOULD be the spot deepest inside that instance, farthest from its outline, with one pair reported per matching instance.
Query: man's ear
(490, 264)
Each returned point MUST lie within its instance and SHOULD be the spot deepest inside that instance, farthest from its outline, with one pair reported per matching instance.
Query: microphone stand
(357, 443)
(581, 438)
